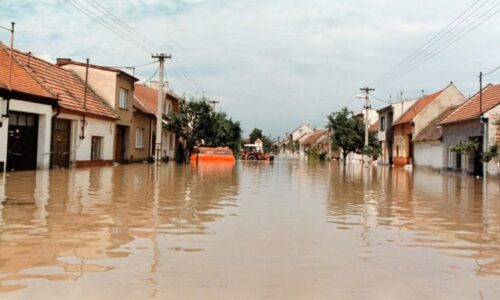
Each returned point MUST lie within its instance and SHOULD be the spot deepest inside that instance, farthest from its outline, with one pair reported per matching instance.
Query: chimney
(154, 84)
(62, 61)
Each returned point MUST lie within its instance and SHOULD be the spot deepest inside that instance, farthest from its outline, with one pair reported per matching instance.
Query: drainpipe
(53, 121)
(483, 124)
(82, 136)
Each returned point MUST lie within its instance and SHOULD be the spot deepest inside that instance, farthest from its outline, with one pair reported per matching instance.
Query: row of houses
(74, 114)
(423, 131)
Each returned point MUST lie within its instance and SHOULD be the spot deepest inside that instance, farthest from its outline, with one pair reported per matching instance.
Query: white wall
(81, 148)
(3, 134)
(493, 115)
(429, 155)
(44, 113)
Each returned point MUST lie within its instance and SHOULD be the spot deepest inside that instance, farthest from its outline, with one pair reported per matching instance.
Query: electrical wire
(444, 47)
(492, 71)
(380, 99)
(426, 44)
(152, 76)
(442, 40)
(137, 66)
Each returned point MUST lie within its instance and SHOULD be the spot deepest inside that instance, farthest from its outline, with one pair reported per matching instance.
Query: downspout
(82, 136)
(53, 121)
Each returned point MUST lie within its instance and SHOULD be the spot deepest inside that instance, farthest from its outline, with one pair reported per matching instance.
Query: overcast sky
(271, 64)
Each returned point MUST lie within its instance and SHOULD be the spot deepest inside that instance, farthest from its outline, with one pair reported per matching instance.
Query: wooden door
(22, 142)
(120, 144)
(61, 133)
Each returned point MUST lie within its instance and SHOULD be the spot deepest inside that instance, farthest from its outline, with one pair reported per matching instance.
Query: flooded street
(287, 230)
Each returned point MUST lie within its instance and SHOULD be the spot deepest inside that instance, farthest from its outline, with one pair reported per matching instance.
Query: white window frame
(123, 101)
(139, 138)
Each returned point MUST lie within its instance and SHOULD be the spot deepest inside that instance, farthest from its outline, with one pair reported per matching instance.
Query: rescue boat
(212, 154)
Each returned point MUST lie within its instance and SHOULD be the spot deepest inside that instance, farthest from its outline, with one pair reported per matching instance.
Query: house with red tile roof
(145, 100)
(478, 116)
(386, 116)
(26, 108)
(83, 125)
(418, 117)
(116, 88)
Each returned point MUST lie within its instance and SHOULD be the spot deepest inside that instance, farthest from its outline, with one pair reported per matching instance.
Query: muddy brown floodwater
(287, 230)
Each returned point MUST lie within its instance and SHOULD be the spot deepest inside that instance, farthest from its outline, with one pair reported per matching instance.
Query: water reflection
(457, 215)
(56, 225)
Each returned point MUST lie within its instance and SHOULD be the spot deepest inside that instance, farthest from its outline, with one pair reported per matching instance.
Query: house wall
(303, 129)
(493, 116)
(454, 133)
(44, 113)
(451, 96)
(3, 135)
(401, 144)
(81, 148)
(141, 120)
(431, 154)
(126, 115)
(102, 82)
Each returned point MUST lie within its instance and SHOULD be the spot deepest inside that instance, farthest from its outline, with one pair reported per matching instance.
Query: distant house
(83, 127)
(429, 149)
(26, 108)
(419, 116)
(465, 124)
(385, 131)
(295, 136)
(115, 87)
(318, 140)
(147, 97)
(372, 119)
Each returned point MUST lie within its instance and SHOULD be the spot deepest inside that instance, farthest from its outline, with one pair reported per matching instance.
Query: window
(96, 153)
(382, 123)
(123, 98)
(139, 138)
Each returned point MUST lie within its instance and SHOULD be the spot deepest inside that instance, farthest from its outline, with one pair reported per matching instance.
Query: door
(410, 144)
(61, 143)
(120, 144)
(22, 142)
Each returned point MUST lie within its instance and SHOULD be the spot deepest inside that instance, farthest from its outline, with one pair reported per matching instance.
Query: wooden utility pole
(159, 112)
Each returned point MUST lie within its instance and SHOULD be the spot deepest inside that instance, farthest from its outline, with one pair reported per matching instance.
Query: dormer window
(123, 99)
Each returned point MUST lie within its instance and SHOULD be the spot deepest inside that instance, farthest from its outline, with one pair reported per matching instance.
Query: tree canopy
(197, 123)
(256, 134)
(348, 134)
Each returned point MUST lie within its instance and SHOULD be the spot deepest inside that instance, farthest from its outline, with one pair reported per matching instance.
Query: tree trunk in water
(344, 157)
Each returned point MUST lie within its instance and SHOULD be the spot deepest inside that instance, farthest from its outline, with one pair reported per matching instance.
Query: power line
(492, 71)
(104, 23)
(442, 40)
(125, 31)
(471, 27)
(440, 33)
(379, 99)
(152, 76)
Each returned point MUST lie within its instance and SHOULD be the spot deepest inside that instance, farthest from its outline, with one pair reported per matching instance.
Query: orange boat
(212, 154)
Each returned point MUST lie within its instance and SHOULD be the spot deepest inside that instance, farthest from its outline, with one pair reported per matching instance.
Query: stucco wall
(429, 155)
(81, 148)
(102, 82)
(454, 133)
(493, 116)
(44, 128)
(451, 96)
(126, 115)
(140, 120)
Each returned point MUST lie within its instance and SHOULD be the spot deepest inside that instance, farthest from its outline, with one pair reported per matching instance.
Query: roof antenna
(422, 92)
(29, 58)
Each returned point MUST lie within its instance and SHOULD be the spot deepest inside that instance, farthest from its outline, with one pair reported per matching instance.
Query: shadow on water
(57, 225)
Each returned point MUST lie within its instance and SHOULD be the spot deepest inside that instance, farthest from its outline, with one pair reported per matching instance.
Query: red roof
(66, 85)
(22, 80)
(147, 98)
(312, 138)
(416, 108)
(470, 108)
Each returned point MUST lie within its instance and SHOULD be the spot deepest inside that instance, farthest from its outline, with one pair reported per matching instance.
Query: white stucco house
(83, 130)
(26, 109)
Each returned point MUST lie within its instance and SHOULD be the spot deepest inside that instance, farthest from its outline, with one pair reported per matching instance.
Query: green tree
(267, 143)
(198, 124)
(348, 134)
